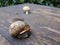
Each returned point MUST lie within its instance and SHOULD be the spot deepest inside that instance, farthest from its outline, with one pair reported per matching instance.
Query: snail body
(19, 29)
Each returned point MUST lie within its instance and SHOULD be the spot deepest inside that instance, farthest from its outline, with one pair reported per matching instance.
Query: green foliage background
(55, 3)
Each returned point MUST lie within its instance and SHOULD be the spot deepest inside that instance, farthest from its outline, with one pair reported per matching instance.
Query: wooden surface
(43, 20)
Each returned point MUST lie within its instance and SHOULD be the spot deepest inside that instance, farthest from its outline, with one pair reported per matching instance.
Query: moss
(55, 3)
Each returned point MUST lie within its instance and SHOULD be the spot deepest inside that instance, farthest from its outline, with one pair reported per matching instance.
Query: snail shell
(18, 28)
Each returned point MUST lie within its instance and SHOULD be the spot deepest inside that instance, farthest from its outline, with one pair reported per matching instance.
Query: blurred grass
(54, 3)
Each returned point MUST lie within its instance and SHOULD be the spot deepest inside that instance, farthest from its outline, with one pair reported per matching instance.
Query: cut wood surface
(43, 20)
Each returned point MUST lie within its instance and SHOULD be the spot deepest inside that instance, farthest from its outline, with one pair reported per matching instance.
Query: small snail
(19, 29)
(26, 9)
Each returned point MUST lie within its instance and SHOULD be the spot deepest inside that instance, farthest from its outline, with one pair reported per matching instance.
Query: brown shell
(14, 30)
(25, 29)
(17, 30)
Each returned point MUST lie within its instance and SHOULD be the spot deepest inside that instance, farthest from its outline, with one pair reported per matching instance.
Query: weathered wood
(44, 22)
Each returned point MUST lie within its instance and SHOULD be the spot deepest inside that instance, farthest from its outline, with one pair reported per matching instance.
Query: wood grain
(44, 22)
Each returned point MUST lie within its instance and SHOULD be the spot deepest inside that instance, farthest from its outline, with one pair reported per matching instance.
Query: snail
(19, 29)
(26, 9)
